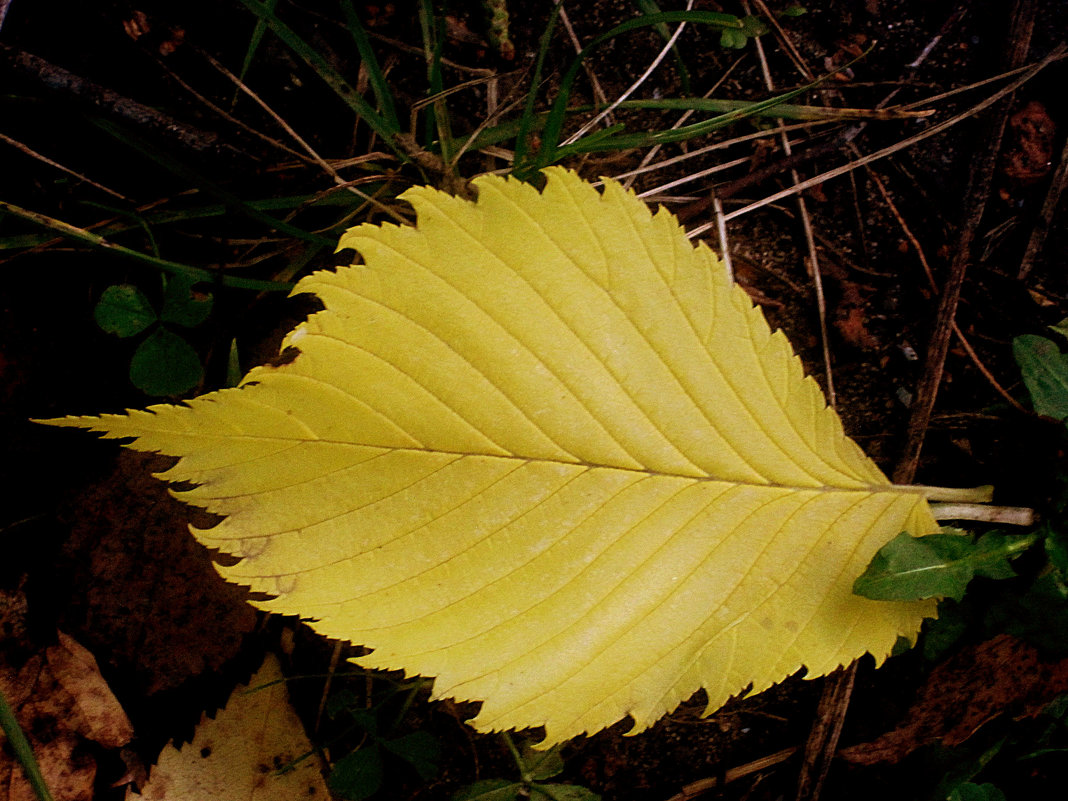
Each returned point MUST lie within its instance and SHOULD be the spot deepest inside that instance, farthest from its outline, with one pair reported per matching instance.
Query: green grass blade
(437, 119)
(786, 111)
(509, 129)
(253, 46)
(528, 123)
(200, 274)
(379, 84)
(135, 217)
(156, 218)
(647, 139)
(23, 751)
(555, 122)
(648, 7)
(327, 73)
(232, 201)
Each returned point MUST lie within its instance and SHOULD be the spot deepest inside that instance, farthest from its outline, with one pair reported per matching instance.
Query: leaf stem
(524, 772)
(1007, 515)
(983, 494)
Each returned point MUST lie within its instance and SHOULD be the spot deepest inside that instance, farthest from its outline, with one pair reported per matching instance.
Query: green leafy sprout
(164, 363)
(1033, 606)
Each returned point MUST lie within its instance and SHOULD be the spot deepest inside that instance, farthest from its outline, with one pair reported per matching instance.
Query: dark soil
(101, 552)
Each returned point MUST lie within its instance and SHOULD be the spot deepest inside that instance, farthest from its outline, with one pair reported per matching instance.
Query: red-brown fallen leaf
(13, 613)
(60, 700)
(852, 323)
(145, 594)
(1004, 675)
(851, 313)
(1030, 147)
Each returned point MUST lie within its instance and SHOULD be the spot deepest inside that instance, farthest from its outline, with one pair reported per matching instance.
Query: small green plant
(535, 768)
(1045, 371)
(1033, 605)
(164, 363)
(363, 772)
(939, 565)
(942, 565)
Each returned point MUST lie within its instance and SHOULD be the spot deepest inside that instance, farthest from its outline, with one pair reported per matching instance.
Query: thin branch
(695, 789)
(806, 226)
(975, 200)
(918, 248)
(631, 89)
(1027, 75)
(598, 92)
(45, 160)
(651, 153)
(1045, 215)
(285, 126)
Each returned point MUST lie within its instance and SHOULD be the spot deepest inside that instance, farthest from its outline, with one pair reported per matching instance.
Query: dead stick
(838, 689)
(694, 789)
(918, 248)
(1045, 215)
(990, 136)
(822, 743)
(103, 99)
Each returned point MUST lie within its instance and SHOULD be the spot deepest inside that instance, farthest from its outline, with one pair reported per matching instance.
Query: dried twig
(1024, 76)
(646, 162)
(315, 157)
(974, 205)
(1045, 215)
(695, 789)
(45, 160)
(598, 92)
(631, 89)
(103, 99)
(806, 226)
(823, 738)
(918, 249)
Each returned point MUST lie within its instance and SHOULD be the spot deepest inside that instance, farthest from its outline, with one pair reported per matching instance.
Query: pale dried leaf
(238, 755)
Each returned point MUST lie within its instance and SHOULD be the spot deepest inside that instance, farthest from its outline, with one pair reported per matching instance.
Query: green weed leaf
(420, 749)
(1061, 327)
(358, 775)
(490, 790)
(938, 565)
(563, 792)
(165, 364)
(1057, 550)
(942, 633)
(1045, 373)
(184, 306)
(543, 765)
(732, 39)
(1038, 615)
(977, 792)
(123, 310)
(753, 26)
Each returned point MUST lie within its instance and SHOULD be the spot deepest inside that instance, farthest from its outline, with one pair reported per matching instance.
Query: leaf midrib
(869, 488)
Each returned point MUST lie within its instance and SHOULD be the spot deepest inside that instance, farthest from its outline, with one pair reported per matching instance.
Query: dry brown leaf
(146, 594)
(61, 700)
(1029, 154)
(238, 754)
(1002, 675)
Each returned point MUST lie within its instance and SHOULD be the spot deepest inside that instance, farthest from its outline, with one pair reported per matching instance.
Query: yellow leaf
(238, 754)
(539, 448)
